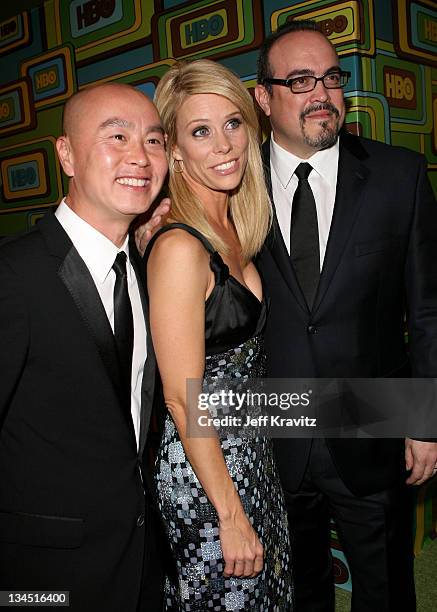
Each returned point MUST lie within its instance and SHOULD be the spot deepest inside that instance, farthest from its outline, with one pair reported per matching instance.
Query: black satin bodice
(233, 314)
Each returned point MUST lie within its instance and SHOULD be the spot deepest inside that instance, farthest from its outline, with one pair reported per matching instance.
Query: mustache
(321, 106)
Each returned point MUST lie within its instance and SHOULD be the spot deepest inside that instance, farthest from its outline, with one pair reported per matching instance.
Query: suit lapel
(148, 384)
(351, 179)
(275, 242)
(75, 275)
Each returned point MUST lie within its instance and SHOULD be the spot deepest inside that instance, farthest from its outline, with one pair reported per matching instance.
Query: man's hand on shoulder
(421, 459)
(144, 232)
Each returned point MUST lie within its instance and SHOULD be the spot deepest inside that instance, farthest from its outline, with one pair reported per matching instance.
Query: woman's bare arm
(179, 278)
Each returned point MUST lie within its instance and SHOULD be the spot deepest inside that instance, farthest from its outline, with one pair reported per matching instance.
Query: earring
(179, 166)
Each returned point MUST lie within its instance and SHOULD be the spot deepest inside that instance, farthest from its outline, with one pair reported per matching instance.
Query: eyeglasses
(306, 82)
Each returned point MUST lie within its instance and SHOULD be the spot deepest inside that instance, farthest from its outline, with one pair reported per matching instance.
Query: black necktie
(304, 236)
(123, 323)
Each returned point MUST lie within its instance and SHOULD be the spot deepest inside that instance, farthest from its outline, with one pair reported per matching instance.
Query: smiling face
(114, 153)
(212, 142)
(303, 123)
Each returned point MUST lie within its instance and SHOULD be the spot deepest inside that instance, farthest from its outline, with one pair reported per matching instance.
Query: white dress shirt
(98, 254)
(322, 180)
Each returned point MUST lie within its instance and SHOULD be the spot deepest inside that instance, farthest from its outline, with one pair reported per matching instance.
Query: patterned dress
(234, 319)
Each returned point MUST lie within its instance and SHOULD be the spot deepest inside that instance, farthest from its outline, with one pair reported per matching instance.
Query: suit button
(312, 329)
(140, 520)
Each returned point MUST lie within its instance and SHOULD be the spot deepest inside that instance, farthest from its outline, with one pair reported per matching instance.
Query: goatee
(327, 136)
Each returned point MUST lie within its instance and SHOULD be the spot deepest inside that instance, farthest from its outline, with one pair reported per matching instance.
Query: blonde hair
(249, 204)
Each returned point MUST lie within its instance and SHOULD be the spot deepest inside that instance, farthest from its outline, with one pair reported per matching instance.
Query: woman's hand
(144, 232)
(242, 551)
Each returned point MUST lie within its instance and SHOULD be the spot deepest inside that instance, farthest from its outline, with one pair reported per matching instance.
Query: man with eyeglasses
(353, 233)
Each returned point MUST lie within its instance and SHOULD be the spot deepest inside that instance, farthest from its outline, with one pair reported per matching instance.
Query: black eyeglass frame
(289, 82)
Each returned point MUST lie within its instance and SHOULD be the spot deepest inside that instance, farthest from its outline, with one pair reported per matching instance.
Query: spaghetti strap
(208, 246)
(217, 265)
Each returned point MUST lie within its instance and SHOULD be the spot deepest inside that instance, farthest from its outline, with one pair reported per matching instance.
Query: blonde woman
(219, 496)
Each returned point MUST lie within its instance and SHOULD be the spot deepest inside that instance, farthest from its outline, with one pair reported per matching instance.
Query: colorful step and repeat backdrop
(48, 53)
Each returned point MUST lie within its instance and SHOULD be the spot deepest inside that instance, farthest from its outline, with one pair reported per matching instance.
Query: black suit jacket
(72, 502)
(381, 256)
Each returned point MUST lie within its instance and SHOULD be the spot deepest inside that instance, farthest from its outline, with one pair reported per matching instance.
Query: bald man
(78, 370)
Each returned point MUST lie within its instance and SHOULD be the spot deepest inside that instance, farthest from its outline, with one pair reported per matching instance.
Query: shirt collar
(284, 163)
(97, 251)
